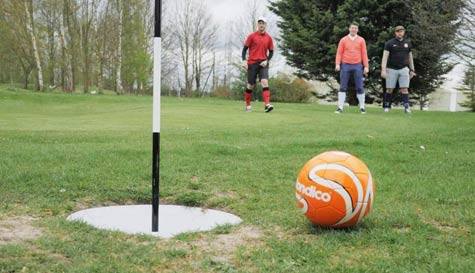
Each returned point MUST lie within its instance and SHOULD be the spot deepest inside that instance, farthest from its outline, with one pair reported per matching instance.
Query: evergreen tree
(468, 88)
(311, 30)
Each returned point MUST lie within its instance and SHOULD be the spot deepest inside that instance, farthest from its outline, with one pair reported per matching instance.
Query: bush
(167, 90)
(284, 89)
(222, 91)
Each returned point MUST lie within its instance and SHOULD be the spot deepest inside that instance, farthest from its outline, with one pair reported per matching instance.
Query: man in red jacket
(258, 43)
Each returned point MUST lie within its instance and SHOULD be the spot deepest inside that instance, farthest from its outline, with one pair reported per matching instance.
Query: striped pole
(157, 52)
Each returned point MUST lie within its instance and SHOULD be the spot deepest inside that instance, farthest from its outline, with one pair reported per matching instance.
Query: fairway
(62, 153)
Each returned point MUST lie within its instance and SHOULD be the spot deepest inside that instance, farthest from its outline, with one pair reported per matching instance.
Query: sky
(230, 17)
(227, 12)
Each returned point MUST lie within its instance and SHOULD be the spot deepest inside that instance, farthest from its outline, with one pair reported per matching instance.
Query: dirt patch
(17, 229)
(401, 228)
(222, 246)
(440, 226)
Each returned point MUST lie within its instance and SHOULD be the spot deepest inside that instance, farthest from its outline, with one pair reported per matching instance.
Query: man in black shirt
(397, 66)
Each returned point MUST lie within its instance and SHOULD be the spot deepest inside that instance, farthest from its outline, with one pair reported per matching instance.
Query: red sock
(266, 95)
(248, 97)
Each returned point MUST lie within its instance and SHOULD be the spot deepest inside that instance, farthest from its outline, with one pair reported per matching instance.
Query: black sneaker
(338, 111)
(363, 111)
(268, 108)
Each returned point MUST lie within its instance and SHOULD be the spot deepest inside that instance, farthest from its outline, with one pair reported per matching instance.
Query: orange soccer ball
(335, 189)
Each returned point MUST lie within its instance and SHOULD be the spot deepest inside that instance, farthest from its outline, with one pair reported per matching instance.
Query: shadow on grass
(320, 230)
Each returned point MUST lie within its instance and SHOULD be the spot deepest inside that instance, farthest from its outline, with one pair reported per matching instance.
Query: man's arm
(384, 63)
(339, 53)
(266, 62)
(364, 57)
(411, 62)
(244, 53)
(412, 73)
(271, 53)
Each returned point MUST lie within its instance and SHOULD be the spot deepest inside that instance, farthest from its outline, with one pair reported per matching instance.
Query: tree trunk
(67, 73)
(186, 66)
(51, 58)
(214, 72)
(26, 72)
(50, 14)
(87, 33)
(26, 75)
(71, 15)
(197, 68)
(119, 48)
(29, 26)
(101, 47)
(184, 40)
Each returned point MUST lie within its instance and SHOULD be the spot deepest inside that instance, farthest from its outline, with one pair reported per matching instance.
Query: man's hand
(244, 64)
(383, 73)
(263, 63)
(337, 68)
(412, 74)
(366, 71)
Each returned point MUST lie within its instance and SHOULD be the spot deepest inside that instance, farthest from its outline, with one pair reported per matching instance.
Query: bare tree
(204, 38)
(465, 41)
(169, 64)
(120, 9)
(30, 27)
(50, 11)
(87, 42)
(71, 33)
(88, 12)
(67, 81)
(103, 41)
(184, 17)
(16, 37)
(195, 38)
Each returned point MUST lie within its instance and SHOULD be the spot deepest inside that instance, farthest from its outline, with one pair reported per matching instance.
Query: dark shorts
(256, 69)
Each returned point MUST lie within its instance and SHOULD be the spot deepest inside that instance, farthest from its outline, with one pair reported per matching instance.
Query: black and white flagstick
(130, 219)
(157, 48)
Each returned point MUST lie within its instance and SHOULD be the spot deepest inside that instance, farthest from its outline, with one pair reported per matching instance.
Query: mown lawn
(62, 153)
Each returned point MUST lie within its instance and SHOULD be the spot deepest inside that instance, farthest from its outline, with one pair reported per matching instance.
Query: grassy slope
(60, 153)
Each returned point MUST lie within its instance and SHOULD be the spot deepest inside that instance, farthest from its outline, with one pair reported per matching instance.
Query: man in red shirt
(258, 43)
(351, 61)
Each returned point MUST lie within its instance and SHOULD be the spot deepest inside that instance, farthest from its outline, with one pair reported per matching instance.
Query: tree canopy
(311, 30)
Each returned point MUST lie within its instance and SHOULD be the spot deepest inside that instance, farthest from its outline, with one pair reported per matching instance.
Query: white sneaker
(386, 110)
(248, 108)
(407, 110)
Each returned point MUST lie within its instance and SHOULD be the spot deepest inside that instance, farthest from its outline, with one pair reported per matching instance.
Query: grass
(61, 153)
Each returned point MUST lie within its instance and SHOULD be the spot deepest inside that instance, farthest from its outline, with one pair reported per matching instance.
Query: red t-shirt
(258, 44)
